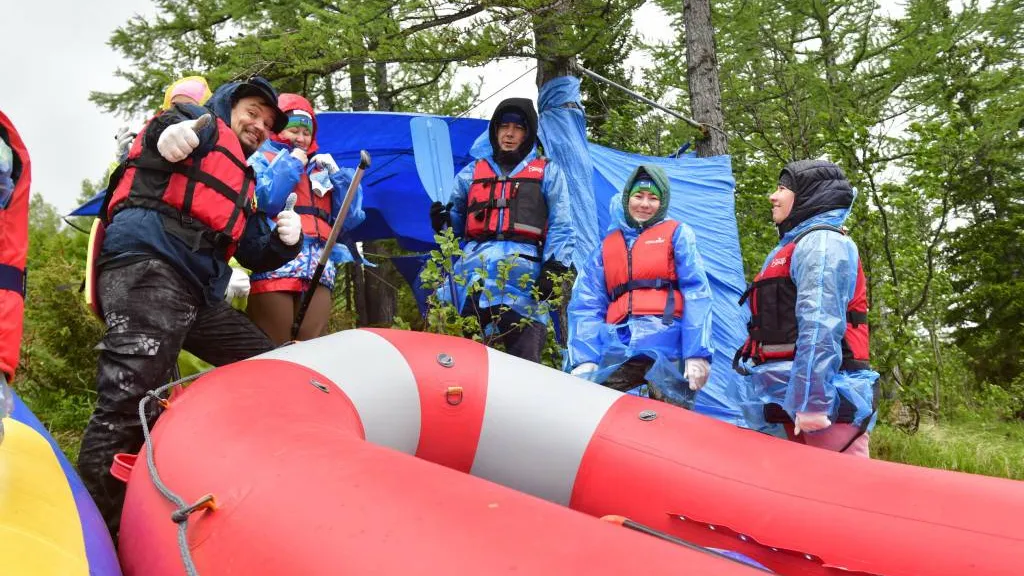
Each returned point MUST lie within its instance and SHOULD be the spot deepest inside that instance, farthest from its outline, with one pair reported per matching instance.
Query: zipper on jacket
(501, 212)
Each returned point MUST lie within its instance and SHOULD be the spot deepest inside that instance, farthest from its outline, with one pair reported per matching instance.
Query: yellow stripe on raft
(40, 532)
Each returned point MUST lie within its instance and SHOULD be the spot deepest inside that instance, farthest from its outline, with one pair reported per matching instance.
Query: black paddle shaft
(325, 257)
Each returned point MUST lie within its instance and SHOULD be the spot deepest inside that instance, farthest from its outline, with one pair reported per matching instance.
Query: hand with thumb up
(177, 141)
(289, 224)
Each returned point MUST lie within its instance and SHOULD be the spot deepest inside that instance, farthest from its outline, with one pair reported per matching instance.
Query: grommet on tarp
(453, 395)
(647, 415)
(445, 360)
(207, 502)
(320, 386)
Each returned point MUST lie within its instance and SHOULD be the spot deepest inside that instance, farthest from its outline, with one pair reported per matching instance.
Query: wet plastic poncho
(481, 259)
(824, 269)
(563, 130)
(591, 339)
(275, 180)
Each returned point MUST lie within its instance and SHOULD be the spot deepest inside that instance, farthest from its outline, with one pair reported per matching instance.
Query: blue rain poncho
(592, 339)
(277, 178)
(481, 260)
(824, 269)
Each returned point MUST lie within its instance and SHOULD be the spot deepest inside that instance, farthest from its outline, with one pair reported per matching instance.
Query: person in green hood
(642, 311)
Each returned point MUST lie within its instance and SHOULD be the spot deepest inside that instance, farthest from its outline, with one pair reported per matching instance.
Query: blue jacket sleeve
(275, 180)
(697, 298)
(341, 180)
(587, 308)
(460, 192)
(561, 238)
(824, 271)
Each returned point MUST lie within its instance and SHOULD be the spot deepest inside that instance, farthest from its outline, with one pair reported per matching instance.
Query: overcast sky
(55, 53)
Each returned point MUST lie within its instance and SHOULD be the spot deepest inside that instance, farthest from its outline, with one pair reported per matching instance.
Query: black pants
(151, 313)
(525, 342)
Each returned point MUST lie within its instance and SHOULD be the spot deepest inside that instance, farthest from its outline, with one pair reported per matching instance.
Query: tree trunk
(547, 32)
(702, 76)
(357, 78)
(359, 294)
(381, 296)
(370, 309)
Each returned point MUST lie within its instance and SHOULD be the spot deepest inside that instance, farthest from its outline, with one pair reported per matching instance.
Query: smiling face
(252, 120)
(782, 203)
(643, 205)
(299, 136)
(510, 136)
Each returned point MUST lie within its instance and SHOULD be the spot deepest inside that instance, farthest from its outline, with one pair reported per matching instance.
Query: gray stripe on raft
(373, 374)
(537, 424)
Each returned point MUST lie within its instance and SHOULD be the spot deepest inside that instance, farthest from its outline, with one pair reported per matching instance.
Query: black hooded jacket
(818, 186)
(139, 233)
(509, 160)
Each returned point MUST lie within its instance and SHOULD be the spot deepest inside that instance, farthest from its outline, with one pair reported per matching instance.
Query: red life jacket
(13, 251)
(313, 210)
(773, 324)
(642, 280)
(205, 201)
(507, 208)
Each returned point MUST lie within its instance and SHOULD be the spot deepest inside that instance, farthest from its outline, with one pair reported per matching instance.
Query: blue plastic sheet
(563, 132)
(395, 202)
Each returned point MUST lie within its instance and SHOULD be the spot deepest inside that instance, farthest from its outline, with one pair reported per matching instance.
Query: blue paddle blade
(432, 148)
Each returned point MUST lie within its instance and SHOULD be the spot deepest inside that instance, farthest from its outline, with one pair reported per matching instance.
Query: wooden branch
(454, 17)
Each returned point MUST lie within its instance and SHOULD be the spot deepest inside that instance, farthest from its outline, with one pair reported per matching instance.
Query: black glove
(440, 216)
(546, 282)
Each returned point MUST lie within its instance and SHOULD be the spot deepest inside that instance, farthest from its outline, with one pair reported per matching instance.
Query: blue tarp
(702, 196)
(394, 200)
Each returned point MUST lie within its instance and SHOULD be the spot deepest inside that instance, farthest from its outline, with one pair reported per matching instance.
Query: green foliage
(56, 374)
(443, 317)
(923, 111)
(976, 446)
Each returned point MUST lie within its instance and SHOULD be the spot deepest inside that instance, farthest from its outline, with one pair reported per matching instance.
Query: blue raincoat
(277, 178)
(824, 268)
(591, 339)
(486, 256)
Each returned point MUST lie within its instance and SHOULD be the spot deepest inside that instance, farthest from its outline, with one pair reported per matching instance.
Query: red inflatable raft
(307, 452)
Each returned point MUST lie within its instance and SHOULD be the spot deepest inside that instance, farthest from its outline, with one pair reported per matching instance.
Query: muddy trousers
(151, 313)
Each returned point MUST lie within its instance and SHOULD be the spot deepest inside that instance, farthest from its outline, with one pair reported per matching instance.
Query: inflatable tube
(306, 451)
(97, 234)
(49, 524)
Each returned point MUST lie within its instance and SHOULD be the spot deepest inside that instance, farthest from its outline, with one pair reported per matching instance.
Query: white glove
(124, 138)
(325, 162)
(300, 155)
(697, 371)
(810, 422)
(289, 225)
(177, 141)
(238, 286)
(583, 369)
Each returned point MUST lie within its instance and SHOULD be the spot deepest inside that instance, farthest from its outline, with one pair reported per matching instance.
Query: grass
(992, 448)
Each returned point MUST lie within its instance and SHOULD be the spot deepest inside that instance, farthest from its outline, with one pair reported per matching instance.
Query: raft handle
(454, 395)
(122, 466)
